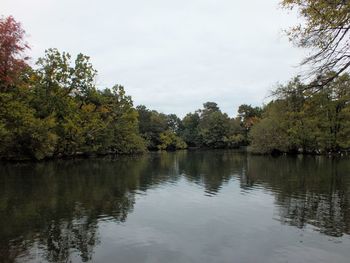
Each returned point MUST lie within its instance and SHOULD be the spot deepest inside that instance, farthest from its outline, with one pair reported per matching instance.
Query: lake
(200, 206)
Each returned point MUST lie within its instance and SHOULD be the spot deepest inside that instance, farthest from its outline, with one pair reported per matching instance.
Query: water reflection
(212, 169)
(308, 190)
(54, 209)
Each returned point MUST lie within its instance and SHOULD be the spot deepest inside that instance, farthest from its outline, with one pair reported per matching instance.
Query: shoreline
(242, 150)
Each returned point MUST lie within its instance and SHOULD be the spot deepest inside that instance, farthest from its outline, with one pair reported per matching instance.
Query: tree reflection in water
(54, 208)
(308, 190)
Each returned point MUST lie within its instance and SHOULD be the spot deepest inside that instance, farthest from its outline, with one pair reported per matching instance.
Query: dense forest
(54, 109)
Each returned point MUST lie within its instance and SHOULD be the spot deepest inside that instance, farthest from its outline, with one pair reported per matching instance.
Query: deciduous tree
(326, 32)
(13, 59)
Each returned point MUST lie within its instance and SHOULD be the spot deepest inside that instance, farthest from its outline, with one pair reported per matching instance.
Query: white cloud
(170, 55)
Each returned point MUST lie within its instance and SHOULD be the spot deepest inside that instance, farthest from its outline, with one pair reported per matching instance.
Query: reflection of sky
(202, 206)
(172, 56)
(178, 223)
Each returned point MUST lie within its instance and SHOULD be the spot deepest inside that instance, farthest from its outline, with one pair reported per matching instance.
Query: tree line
(301, 120)
(54, 109)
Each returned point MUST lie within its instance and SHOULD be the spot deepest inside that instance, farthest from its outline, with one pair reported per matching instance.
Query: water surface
(215, 206)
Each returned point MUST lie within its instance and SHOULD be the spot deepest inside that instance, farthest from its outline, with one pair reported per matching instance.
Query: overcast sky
(171, 56)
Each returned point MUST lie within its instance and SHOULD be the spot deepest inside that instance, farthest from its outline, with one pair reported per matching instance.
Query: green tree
(23, 135)
(190, 131)
(248, 116)
(170, 141)
(214, 129)
(64, 90)
(209, 127)
(270, 134)
(299, 121)
(174, 123)
(151, 124)
(121, 134)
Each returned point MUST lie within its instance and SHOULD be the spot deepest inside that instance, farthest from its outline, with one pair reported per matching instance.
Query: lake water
(214, 206)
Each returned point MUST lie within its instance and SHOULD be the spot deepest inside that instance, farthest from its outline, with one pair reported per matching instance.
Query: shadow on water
(56, 206)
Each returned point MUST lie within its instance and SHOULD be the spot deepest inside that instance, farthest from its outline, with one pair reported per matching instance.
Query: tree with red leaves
(12, 52)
